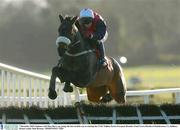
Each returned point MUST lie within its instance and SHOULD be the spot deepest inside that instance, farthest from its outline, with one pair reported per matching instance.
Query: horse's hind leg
(117, 87)
(118, 90)
(94, 94)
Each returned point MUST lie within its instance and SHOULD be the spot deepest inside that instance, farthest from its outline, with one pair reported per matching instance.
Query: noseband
(66, 41)
(63, 39)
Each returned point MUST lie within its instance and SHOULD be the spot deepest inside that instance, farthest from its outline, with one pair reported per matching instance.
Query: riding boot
(102, 60)
(68, 87)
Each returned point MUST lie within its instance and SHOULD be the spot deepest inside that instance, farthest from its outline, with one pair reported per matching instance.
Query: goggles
(86, 20)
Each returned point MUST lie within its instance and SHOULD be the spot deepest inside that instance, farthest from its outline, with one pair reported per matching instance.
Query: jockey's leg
(102, 60)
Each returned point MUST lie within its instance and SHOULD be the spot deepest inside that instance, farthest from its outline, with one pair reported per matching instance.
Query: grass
(153, 77)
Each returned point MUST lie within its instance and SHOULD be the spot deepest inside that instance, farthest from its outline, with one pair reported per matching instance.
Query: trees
(146, 32)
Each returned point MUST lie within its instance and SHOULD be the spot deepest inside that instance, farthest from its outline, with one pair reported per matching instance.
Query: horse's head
(67, 33)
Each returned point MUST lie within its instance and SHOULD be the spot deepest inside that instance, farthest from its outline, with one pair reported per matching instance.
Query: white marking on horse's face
(62, 39)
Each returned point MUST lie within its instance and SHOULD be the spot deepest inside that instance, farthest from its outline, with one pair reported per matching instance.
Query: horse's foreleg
(52, 86)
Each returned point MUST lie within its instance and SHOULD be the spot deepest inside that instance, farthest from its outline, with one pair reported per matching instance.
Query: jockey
(93, 27)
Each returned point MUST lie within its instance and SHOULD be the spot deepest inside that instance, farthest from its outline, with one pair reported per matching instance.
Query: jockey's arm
(100, 30)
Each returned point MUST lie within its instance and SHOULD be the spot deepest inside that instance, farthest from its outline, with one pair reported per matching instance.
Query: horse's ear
(61, 18)
(74, 19)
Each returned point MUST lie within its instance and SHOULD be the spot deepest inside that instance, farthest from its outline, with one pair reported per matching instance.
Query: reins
(79, 53)
(76, 43)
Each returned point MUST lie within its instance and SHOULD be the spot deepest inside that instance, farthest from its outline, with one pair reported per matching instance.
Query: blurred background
(144, 36)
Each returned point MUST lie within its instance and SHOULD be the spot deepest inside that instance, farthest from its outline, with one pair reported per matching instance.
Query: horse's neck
(81, 44)
(77, 45)
(84, 43)
(81, 61)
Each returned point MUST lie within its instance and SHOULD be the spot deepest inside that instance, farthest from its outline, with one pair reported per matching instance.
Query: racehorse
(78, 65)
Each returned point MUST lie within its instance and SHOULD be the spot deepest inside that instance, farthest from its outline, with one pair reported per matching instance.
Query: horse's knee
(60, 73)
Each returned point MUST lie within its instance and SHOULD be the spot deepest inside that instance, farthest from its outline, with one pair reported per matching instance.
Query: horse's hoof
(68, 89)
(52, 94)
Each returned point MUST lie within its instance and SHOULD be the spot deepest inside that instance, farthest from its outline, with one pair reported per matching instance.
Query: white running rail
(20, 87)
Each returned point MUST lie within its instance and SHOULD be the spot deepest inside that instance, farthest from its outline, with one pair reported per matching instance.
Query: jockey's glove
(89, 36)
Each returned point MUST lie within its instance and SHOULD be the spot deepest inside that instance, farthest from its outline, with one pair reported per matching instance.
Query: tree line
(144, 31)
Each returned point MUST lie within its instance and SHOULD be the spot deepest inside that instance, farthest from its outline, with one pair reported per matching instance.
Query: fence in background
(20, 87)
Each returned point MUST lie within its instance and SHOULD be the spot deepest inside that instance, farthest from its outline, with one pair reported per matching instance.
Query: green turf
(154, 77)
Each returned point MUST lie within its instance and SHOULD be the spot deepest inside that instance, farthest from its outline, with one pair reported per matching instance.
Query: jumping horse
(78, 65)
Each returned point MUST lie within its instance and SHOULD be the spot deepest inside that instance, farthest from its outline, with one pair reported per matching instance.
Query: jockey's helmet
(86, 16)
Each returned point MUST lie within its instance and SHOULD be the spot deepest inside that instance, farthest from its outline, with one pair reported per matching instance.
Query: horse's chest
(73, 64)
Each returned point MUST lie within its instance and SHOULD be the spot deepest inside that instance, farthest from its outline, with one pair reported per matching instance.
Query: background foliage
(145, 31)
